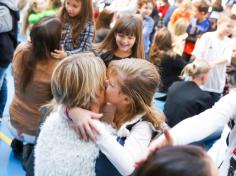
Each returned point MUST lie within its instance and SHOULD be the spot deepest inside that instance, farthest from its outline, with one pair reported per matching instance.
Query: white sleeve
(200, 126)
(124, 157)
(5, 20)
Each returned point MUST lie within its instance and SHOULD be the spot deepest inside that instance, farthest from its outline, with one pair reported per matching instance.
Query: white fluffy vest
(61, 152)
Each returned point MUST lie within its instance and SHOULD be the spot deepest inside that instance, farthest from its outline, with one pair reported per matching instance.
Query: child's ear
(127, 100)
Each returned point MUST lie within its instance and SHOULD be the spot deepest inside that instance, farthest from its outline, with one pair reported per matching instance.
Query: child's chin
(124, 48)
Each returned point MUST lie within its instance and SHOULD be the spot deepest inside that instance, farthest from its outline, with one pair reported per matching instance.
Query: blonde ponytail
(196, 68)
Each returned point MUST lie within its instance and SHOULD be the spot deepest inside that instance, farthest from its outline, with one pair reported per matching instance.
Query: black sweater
(170, 69)
(185, 99)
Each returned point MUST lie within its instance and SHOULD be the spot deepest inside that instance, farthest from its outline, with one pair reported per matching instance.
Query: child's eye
(131, 37)
(121, 35)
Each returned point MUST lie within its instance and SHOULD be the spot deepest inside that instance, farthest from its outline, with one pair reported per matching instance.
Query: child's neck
(198, 82)
(199, 20)
(122, 54)
(220, 36)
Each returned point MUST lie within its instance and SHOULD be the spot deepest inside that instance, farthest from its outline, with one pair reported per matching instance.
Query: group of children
(81, 86)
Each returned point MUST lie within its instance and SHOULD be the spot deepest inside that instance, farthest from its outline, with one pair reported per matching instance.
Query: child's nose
(125, 39)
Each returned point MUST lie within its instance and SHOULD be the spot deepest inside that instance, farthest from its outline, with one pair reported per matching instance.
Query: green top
(35, 17)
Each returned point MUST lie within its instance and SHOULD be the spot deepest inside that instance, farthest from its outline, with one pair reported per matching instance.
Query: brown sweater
(24, 109)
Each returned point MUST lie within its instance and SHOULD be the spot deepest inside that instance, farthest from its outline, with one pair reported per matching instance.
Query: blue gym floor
(9, 165)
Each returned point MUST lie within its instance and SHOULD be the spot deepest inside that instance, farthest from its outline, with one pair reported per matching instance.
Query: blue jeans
(3, 90)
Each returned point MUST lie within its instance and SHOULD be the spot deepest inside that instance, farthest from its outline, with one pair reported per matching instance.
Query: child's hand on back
(83, 123)
(59, 54)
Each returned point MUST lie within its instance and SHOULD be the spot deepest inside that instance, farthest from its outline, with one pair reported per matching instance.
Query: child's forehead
(148, 4)
(126, 34)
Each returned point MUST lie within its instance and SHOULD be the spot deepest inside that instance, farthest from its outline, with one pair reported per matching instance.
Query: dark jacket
(185, 99)
(8, 40)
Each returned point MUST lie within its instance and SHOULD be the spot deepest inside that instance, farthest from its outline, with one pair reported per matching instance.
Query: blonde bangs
(76, 80)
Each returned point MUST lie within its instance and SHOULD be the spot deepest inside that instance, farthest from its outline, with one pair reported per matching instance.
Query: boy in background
(216, 48)
(198, 25)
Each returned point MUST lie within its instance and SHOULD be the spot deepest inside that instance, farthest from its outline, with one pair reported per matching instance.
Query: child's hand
(59, 54)
(83, 123)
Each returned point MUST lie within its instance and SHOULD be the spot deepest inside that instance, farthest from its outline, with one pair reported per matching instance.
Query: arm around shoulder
(202, 125)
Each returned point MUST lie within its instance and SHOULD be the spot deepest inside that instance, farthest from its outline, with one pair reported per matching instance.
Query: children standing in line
(78, 27)
(198, 25)
(124, 40)
(145, 8)
(216, 48)
(131, 87)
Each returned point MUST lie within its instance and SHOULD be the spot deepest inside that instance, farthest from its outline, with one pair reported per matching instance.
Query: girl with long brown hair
(125, 39)
(166, 60)
(78, 27)
(32, 69)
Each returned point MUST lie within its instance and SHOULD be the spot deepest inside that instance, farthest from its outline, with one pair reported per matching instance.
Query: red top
(163, 9)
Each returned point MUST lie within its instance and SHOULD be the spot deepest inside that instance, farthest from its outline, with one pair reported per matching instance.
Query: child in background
(33, 8)
(124, 40)
(165, 59)
(135, 117)
(78, 27)
(178, 160)
(216, 9)
(198, 25)
(102, 25)
(216, 48)
(179, 34)
(162, 9)
(170, 11)
(32, 69)
(187, 95)
(51, 8)
(145, 8)
(183, 11)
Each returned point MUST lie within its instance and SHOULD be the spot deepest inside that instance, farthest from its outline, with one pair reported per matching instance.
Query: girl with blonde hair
(187, 95)
(125, 39)
(131, 86)
(59, 150)
(179, 36)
